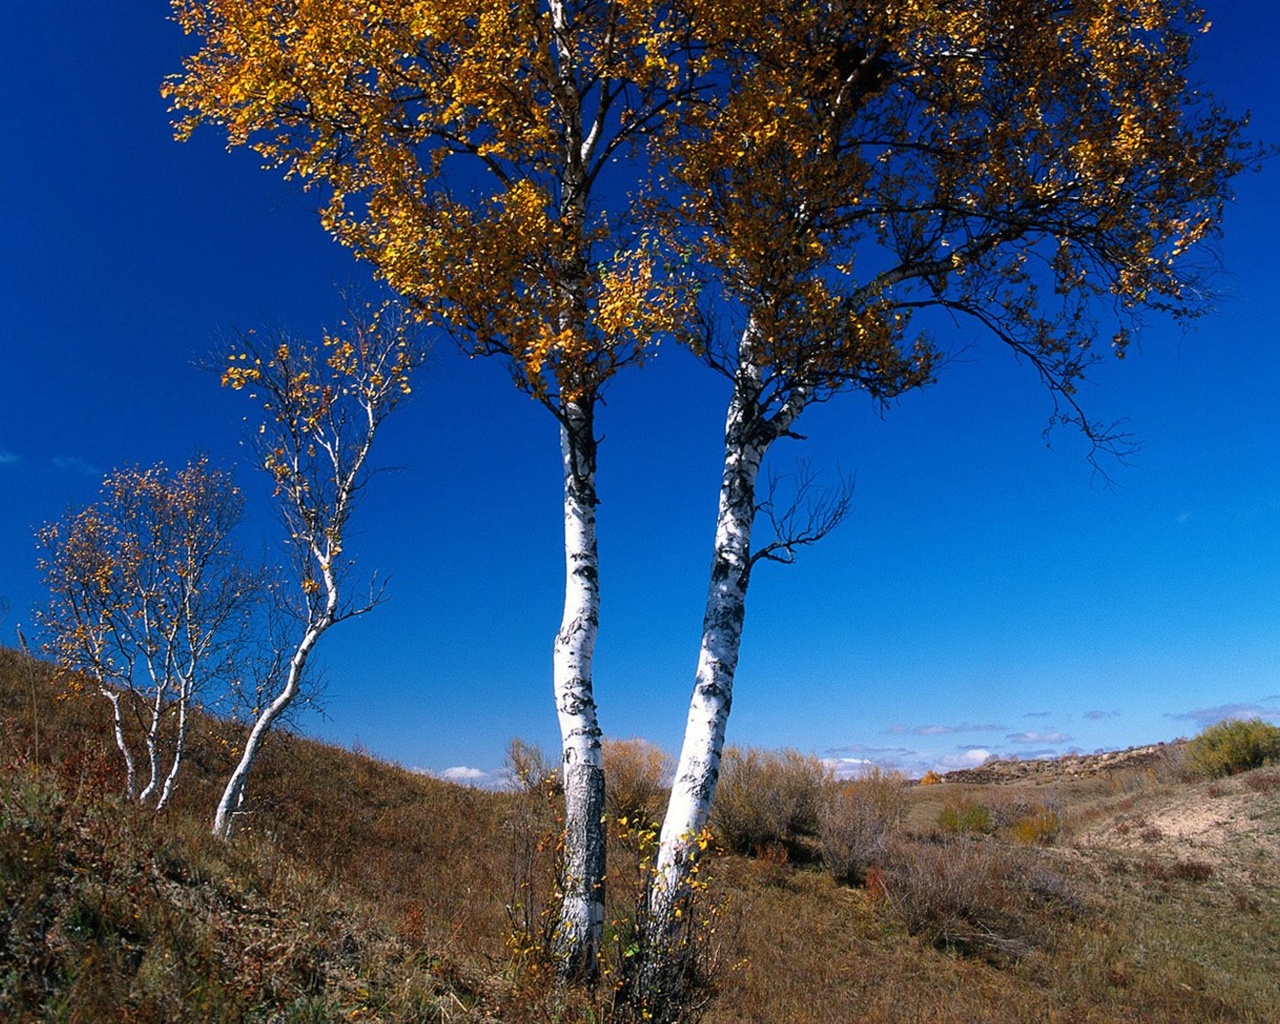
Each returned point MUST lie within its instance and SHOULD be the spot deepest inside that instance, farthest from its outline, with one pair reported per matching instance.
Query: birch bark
(750, 429)
(233, 793)
(581, 926)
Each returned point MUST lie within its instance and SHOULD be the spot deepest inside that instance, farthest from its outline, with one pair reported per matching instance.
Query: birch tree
(323, 406)
(462, 149)
(1039, 169)
(148, 601)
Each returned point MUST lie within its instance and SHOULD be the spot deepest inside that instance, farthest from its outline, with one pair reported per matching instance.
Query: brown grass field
(1086, 890)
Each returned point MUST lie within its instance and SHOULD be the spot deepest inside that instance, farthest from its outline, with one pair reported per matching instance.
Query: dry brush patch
(366, 890)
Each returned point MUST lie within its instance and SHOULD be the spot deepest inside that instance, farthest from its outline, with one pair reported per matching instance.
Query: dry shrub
(1041, 826)
(960, 816)
(767, 796)
(1026, 819)
(529, 768)
(1179, 870)
(1233, 746)
(974, 896)
(930, 778)
(1263, 782)
(858, 820)
(637, 774)
(1191, 870)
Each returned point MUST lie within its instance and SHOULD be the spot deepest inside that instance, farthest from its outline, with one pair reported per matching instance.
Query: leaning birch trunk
(749, 431)
(122, 744)
(186, 689)
(699, 767)
(233, 794)
(581, 927)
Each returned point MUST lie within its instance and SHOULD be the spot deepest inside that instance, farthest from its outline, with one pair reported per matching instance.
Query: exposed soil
(1131, 803)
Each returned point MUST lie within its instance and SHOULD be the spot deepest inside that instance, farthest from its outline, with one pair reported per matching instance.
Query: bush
(1233, 746)
(530, 770)
(766, 797)
(1040, 826)
(961, 816)
(970, 895)
(637, 774)
(857, 821)
(1264, 782)
(1024, 817)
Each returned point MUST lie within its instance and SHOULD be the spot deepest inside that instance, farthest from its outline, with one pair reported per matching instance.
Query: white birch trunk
(698, 770)
(152, 740)
(117, 722)
(748, 434)
(186, 689)
(233, 794)
(581, 927)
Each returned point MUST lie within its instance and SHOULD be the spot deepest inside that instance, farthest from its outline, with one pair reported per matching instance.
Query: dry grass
(359, 891)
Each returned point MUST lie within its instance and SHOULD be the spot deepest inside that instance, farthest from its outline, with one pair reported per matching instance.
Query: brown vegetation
(359, 891)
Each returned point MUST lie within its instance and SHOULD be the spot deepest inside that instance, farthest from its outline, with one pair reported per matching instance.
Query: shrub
(1024, 817)
(963, 815)
(857, 821)
(530, 769)
(1040, 826)
(636, 776)
(1191, 870)
(969, 895)
(930, 778)
(767, 797)
(1264, 782)
(1233, 746)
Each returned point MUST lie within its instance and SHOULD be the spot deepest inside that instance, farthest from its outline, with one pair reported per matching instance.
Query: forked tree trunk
(581, 926)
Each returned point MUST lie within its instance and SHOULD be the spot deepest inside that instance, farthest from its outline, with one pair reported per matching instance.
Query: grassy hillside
(358, 891)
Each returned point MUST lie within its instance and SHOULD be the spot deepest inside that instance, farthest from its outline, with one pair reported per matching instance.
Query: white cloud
(464, 775)
(970, 758)
(7, 458)
(1032, 736)
(848, 767)
(1098, 716)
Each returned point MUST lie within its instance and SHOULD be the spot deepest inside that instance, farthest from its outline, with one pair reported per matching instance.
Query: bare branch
(800, 512)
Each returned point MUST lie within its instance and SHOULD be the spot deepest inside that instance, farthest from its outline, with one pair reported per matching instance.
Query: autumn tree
(149, 602)
(1040, 169)
(463, 150)
(322, 406)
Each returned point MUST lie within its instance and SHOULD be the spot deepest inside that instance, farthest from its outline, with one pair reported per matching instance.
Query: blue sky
(988, 594)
